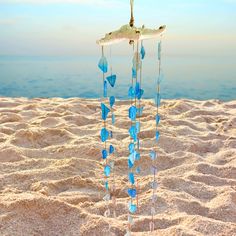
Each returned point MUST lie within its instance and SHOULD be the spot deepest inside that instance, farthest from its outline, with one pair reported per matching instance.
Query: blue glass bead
(105, 111)
(158, 99)
(102, 64)
(113, 118)
(153, 155)
(130, 164)
(112, 101)
(111, 149)
(138, 170)
(132, 112)
(132, 157)
(137, 88)
(140, 94)
(138, 126)
(104, 154)
(131, 178)
(142, 52)
(157, 135)
(159, 51)
(132, 208)
(112, 80)
(131, 92)
(106, 185)
(104, 134)
(133, 132)
(134, 73)
(158, 119)
(105, 89)
(107, 170)
(131, 147)
(137, 157)
(132, 192)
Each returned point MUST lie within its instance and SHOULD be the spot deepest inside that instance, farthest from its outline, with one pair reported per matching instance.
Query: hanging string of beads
(153, 153)
(105, 134)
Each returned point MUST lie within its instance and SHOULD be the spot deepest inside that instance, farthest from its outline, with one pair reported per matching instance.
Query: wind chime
(135, 37)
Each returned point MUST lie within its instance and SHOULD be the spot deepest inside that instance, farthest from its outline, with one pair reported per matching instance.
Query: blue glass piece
(105, 111)
(140, 111)
(112, 101)
(102, 64)
(104, 134)
(134, 73)
(131, 178)
(133, 133)
(138, 170)
(131, 92)
(158, 99)
(132, 157)
(132, 192)
(158, 119)
(106, 185)
(132, 112)
(142, 52)
(113, 118)
(132, 208)
(138, 126)
(131, 147)
(157, 135)
(104, 154)
(137, 157)
(153, 155)
(107, 170)
(137, 88)
(111, 149)
(159, 51)
(140, 94)
(130, 164)
(112, 80)
(105, 89)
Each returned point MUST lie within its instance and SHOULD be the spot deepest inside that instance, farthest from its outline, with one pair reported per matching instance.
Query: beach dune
(51, 170)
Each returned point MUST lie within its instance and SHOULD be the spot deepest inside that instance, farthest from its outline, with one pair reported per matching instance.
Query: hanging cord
(131, 22)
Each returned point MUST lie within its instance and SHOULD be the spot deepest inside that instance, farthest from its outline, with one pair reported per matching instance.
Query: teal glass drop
(132, 157)
(111, 149)
(142, 52)
(112, 101)
(104, 134)
(131, 147)
(102, 64)
(137, 157)
(104, 154)
(134, 73)
(130, 164)
(133, 133)
(107, 170)
(131, 92)
(157, 119)
(105, 89)
(132, 192)
(131, 178)
(106, 185)
(112, 80)
(132, 208)
(132, 113)
(105, 111)
(157, 135)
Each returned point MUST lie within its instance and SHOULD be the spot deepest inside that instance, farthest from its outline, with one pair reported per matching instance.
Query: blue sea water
(184, 77)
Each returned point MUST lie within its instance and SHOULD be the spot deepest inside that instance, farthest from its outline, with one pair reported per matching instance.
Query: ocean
(188, 77)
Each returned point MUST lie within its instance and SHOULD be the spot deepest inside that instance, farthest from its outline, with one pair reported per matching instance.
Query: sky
(71, 27)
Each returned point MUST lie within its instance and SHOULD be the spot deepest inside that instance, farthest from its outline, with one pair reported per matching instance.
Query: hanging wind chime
(135, 36)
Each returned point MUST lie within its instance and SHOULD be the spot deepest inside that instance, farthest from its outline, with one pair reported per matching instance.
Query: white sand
(51, 170)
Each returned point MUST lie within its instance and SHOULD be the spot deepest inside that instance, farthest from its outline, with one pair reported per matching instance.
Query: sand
(51, 172)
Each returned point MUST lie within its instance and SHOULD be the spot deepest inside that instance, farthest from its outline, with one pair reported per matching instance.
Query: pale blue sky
(71, 27)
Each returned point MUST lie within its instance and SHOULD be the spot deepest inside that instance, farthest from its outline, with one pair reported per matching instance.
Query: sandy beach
(51, 170)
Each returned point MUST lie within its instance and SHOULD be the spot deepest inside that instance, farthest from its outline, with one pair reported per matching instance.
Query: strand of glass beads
(153, 153)
(104, 134)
